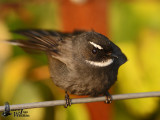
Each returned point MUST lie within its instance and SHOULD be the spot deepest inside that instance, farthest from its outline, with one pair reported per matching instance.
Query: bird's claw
(108, 98)
(68, 100)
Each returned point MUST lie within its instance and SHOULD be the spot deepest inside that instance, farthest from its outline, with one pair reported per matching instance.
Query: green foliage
(135, 28)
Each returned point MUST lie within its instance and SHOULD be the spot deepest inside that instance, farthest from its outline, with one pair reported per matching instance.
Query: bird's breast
(86, 83)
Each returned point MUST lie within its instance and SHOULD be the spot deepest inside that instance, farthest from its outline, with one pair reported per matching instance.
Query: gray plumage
(78, 61)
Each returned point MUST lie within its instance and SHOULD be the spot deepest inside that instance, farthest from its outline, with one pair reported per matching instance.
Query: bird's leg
(108, 98)
(68, 100)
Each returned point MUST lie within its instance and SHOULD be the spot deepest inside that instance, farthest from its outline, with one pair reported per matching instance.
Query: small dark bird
(81, 63)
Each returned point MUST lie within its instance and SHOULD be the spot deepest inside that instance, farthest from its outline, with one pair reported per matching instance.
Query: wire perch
(81, 100)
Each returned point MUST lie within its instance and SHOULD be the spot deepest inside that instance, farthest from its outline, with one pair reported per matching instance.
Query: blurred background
(134, 25)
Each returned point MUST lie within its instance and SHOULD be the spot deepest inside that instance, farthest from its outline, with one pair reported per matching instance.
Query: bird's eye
(94, 51)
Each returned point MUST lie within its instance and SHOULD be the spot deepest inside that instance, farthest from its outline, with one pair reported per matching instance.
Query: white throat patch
(95, 45)
(101, 64)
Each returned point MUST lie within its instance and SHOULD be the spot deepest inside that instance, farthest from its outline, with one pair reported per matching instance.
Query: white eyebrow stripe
(100, 64)
(95, 45)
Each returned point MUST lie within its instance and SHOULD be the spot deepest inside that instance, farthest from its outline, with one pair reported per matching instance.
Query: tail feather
(45, 36)
(38, 40)
(26, 44)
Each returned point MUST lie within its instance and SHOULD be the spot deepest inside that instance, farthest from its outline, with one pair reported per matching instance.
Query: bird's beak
(112, 55)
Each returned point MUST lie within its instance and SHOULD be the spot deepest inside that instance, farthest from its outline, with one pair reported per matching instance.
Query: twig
(82, 100)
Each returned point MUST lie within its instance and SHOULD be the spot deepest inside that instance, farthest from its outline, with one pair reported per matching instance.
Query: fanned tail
(38, 40)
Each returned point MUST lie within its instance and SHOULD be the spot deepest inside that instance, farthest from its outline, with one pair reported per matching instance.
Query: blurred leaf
(125, 24)
(135, 81)
(5, 49)
(14, 72)
(60, 113)
(46, 16)
(33, 15)
(28, 92)
(76, 112)
(40, 73)
(148, 13)
(150, 57)
(136, 29)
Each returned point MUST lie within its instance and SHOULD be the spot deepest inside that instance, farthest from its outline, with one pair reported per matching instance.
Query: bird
(80, 62)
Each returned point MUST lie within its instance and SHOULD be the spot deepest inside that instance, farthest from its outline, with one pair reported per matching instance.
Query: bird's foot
(68, 100)
(7, 110)
(108, 98)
